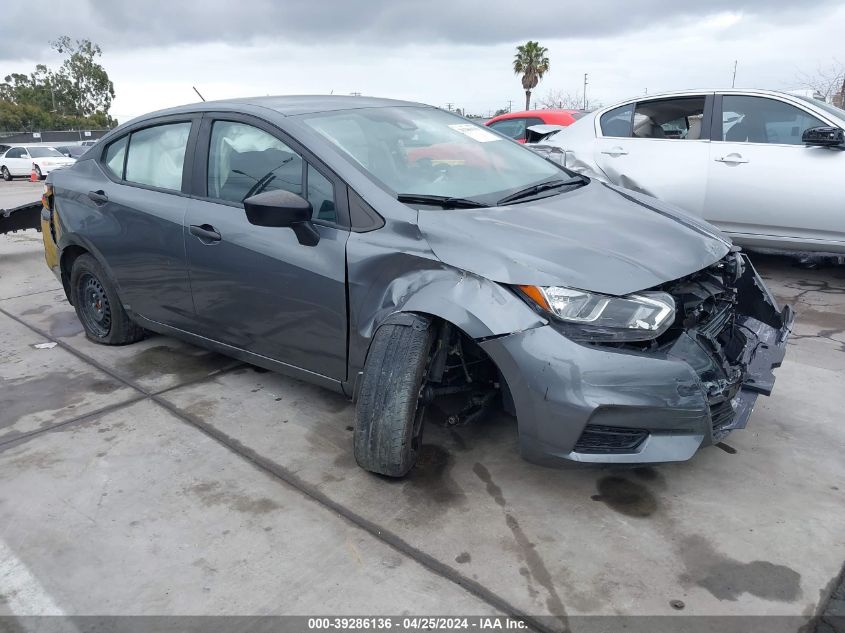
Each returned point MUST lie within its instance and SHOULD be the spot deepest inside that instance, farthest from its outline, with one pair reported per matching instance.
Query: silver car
(763, 166)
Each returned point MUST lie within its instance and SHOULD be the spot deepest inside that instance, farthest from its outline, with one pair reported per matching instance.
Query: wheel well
(69, 255)
(466, 366)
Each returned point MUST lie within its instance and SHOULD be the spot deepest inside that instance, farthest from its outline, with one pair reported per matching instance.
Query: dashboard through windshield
(423, 151)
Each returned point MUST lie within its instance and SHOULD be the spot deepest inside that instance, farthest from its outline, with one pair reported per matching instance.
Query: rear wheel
(390, 409)
(98, 307)
(7, 176)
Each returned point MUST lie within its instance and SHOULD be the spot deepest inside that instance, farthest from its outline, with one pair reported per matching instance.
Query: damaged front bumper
(26, 216)
(654, 402)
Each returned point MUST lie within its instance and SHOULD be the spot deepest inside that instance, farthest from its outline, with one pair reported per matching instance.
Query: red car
(514, 124)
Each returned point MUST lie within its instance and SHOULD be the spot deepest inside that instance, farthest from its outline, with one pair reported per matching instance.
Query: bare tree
(827, 80)
(560, 99)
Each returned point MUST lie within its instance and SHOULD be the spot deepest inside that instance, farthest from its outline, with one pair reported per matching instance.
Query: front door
(257, 288)
(658, 147)
(18, 162)
(767, 188)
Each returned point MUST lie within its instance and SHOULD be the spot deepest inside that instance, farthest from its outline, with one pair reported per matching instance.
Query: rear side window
(617, 122)
(512, 128)
(676, 118)
(157, 154)
(113, 159)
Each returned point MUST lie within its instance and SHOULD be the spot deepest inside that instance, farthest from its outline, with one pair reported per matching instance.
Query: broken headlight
(589, 316)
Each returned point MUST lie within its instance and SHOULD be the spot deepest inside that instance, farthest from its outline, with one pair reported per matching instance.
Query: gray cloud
(119, 25)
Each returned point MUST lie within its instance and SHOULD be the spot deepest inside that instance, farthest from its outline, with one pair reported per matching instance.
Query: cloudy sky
(435, 51)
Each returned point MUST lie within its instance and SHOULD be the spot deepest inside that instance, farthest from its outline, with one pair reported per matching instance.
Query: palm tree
(530, 61)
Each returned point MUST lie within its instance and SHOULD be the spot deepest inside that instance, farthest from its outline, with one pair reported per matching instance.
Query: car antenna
(198, 92)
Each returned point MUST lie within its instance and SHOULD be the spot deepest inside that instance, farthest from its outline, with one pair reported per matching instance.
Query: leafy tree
(77, 95)
(90, 88)
(531, 62)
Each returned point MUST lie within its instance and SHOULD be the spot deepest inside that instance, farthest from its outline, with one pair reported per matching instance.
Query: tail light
(47, 197)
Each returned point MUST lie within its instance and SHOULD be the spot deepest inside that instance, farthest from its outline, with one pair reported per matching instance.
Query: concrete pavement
(206, 486)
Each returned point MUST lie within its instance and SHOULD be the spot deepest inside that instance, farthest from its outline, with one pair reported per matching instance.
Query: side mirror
(283, 209)
(824, 136)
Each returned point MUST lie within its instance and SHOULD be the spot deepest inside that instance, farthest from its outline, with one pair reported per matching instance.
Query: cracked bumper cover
(560, 388)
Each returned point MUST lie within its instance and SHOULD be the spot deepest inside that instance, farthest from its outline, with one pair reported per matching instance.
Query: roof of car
(291, 105)
(534, 113)
(699, 91)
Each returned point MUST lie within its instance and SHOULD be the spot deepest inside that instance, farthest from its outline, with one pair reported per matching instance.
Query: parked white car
(19, 161)
(741, 159)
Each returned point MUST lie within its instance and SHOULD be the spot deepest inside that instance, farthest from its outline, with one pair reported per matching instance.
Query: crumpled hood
(598, 238)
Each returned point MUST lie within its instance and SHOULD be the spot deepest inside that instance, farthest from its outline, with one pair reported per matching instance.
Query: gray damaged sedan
(401, 255)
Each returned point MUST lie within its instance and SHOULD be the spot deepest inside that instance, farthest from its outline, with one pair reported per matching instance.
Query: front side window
(15, 152)
(763, 120)
(679, 118)
(321, 196)
(512, 128)
(617, 122)
(429, 152)
(157, 155)
(44, 152)
(113, 159)
(244, 161)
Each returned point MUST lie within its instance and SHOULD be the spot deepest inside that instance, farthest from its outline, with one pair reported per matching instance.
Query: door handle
(98, 197)
(732, 159)
(205, 232)
(615, 151)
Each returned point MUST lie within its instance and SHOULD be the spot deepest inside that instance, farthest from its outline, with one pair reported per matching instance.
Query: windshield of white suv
(43, 152)
(420, 151)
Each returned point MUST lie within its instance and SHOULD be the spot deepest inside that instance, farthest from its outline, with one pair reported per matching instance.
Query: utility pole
(510, 105)
(585, 91)
(449, 106)
(733, 81)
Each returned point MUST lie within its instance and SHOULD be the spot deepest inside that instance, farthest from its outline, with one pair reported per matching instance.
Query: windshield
(429, 152)
(43, 152)
(839, 113)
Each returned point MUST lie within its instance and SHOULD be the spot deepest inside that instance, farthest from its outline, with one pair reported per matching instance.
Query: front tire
(390, 409)
(7, 175)
(98, 307)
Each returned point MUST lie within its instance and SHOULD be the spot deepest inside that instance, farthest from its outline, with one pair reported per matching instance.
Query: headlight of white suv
(590, 316)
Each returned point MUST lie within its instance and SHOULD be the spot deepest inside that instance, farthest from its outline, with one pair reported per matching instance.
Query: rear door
(658, 147)
(136, 205)
(254, 287)
(766, 187)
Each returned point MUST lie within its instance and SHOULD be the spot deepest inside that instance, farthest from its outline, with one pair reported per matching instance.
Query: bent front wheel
(390, 409)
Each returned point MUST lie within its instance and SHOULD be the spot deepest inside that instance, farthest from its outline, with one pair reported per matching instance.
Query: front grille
(609, 439)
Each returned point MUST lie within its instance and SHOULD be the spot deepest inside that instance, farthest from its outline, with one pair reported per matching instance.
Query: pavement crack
(536, 566)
